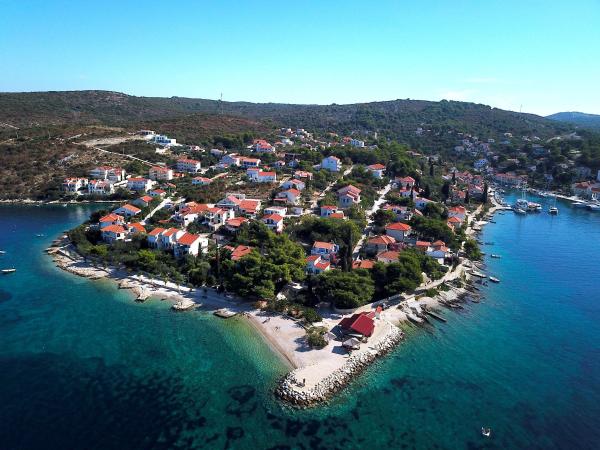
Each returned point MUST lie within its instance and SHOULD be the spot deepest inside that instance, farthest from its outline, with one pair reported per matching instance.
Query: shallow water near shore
(83, 366)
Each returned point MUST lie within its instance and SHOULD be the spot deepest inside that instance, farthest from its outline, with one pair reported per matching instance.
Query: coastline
(315, 375)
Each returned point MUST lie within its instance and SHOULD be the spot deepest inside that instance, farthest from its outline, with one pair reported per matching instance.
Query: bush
(311, 315)
(315, 337)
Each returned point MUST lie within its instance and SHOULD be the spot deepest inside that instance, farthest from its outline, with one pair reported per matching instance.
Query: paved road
(369, 214)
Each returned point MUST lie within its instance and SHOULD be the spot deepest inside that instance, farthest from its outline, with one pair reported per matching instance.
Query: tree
(382, 217)
(344, 289)
(446, 190)
(485, 192)
(467, 197)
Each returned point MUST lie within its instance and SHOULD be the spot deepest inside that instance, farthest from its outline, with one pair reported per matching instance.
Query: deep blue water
(83, 366)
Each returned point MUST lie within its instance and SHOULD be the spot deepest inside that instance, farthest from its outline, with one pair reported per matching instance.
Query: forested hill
(394, 118)
(591, 121)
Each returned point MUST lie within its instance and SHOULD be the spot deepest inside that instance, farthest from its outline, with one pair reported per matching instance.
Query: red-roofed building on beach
(361, 323)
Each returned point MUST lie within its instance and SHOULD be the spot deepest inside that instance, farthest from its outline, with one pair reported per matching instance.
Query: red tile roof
(398, 226)
(113, 229)
(156, 231)
(327, 245)
(137, 227)
(188, 239)
(240, 251)
(361, 323)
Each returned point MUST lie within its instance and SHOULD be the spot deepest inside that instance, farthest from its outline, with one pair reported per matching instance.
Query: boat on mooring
(7, 271)
(494, 280)
(487, 432)
(553, 210)
(493, 255)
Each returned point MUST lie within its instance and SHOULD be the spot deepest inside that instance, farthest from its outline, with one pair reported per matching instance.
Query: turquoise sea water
(83, 366)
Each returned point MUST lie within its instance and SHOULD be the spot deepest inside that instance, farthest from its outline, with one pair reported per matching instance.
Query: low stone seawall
(289, 391)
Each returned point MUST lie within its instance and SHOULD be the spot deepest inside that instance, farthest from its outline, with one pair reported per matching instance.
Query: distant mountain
(578, 118)
(395, 118)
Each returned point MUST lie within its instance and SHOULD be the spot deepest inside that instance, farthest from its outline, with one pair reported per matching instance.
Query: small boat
(2, 252)
(39, 235)
(494, 280)
(493, 255)
(593, 206)
(487, 432)
(519, 210)
(489, 243)
(7, 271)
(553, 210)
(579, 204)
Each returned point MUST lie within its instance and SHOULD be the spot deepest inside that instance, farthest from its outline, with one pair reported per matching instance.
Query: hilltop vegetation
(394, 119)
(591, 121)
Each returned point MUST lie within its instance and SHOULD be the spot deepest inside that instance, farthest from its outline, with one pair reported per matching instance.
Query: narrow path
(369, 214)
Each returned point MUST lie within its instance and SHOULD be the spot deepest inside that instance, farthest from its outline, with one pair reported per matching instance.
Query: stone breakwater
(291, 391)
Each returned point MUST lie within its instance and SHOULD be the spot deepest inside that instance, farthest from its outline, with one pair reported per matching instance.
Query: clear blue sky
(543, 55)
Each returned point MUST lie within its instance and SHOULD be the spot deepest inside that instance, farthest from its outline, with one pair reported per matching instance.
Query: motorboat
(495, 256)
(593, 206)
(553, 210)
(2, 252)
(487, 432)
(579, 204)
(494, 280)
(519, 210)
(7, 271)
(534, 207)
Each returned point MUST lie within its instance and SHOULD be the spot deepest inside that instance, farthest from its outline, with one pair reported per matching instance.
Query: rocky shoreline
(289, 388)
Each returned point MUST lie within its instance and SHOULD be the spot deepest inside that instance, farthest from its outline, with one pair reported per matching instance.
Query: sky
(536, 56)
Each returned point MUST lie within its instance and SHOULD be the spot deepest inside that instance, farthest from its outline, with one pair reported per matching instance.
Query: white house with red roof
(281, 210)
(377, 170)
(113, 233)
(127, 210)
(289, 196)
(249, 162)
(201, 181)
(232, 159)
(111, 219)
(326, 250)
(217, 217)
(135, 227)
(301, 174)
(160, 173)
(439, 251)
(74, 185)
(331, 163)
(262, 146)
(328, 210)
(190, 244)
(235, 223)
(114, 174)
(316, 264)
(143, 201)
(348, 196)
(188, 165)
(273, 222)
(459, 212)
(454, 222)
(405, 182)
(239, 252)
(398, 230)
(139, 184)
(259, 176)
(294, 184)
(100, 187)
(379, 244)
(404, 213)
(388, 256)
(157, 193)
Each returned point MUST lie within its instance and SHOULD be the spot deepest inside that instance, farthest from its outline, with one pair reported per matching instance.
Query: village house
(509, 179)
(398, 230)
(111, 219)
(459, 212)
(454, 222)
(357, 143)
(281, 210)
(293, 184)
(232, 159)
(114, 174)
(160, 173)
(377, 170)
(405, 182)
(332, 164)
(239, 252)
(301, 174)
(348, 196)
(190, 244)
(315, 264)
(161, 139)
(438, 251)
(135, 227)
(127, 210)
(363, 264)
(157, 193)
(234, 224)
(328, 210)
(258, 176)
(201, 181)
(142, 202)
(388, 257)
(188, 165)
(113, 233)
(139, 184)
(290, 196)
(359, 323)
(262, 146)
(379, 244)
(421, 202)
(217, 217)
(249, 162)
(100, 187)
(326, 250)
(273, 222)
(74, 185)
(403, 213)
(423, 246)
